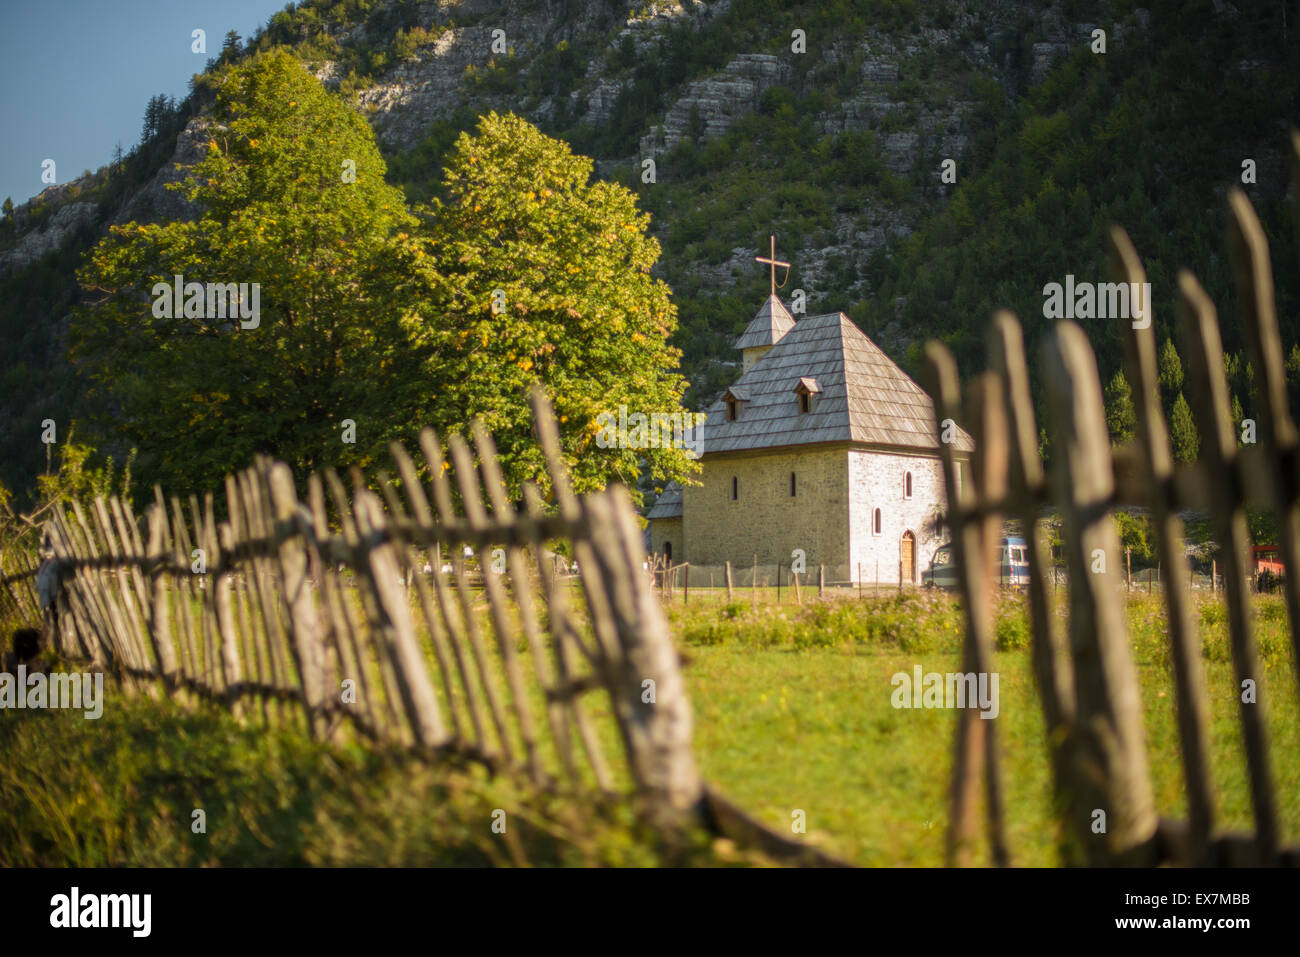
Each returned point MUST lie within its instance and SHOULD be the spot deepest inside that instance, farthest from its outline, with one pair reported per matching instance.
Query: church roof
(865, 397)
(771, 322)
(668, 504)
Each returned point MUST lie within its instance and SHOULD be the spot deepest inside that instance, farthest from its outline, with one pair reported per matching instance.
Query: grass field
(793, 712)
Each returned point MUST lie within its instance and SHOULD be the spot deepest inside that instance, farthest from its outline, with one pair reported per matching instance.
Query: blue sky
(75, 75)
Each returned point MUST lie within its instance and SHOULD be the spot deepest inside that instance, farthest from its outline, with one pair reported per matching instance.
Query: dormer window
(804, 390)
(733, 397)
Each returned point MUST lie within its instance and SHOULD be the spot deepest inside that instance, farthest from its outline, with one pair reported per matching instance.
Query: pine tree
(1120, 417)
(230, 47)
(1171, 370)
(1182, 432)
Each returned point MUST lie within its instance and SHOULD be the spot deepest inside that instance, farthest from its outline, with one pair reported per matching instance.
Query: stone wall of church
(876, 481)
(665, 531)
(764, 519)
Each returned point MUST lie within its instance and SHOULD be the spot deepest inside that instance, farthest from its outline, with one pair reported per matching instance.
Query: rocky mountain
(828, 124)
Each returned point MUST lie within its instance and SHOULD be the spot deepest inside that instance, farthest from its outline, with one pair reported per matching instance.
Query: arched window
(792, 485)
(875, 522)
(907, 485)
(735, 488)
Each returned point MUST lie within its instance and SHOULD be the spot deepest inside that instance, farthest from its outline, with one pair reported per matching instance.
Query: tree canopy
(536, 273)
(373, 321)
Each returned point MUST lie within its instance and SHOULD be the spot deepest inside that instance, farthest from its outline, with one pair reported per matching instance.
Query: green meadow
(793, 713)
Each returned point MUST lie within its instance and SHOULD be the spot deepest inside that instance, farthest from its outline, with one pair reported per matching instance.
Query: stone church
(823, 444)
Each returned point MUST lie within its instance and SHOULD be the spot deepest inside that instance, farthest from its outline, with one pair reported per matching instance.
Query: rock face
(156, 203)
(885, 83)
(430, 86)
(717, 101)
(68, 218)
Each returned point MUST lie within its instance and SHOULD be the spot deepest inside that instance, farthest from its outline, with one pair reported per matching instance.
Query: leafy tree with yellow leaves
(536, 273)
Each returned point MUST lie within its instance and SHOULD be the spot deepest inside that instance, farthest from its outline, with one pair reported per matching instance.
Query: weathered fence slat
(437, 637)
(1248, 249)
(1110, 748)
(468, 480)
(373, 646)
(1156, 456)
(1219, 451)
(1052, 665)
(442, 498)
(503, 515)
(566, 654)
(353, 663)
(975, 747)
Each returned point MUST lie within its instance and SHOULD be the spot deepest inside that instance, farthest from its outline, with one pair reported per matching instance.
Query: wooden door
(908, 554)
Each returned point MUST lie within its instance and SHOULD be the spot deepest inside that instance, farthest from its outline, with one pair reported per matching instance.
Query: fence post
(396, 625)
(1248, 249)
(974, 540)
(1209, 392)
(1051, 664)
(293, 540)
(1112, 774)
(728, 581)
(160, 624)
(1158, 467)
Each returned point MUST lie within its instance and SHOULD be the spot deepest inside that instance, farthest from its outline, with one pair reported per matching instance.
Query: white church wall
(876, 481)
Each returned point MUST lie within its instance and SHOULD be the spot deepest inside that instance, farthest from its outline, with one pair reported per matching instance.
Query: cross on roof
(773, 262)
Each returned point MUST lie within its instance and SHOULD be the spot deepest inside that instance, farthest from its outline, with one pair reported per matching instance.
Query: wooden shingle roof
(865, 397)
(668, 504)
(772, 321)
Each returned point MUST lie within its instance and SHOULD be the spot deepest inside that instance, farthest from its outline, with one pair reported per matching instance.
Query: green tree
(199, 395)
(538, 274)
(1135, 532)
(1182, 432)
(230, 46)
(1171, 370)
(8, 207)
(1120, 417)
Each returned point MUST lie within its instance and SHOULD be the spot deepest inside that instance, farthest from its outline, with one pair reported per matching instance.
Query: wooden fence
(274, 611)
(1087, 679)
(288, 611)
